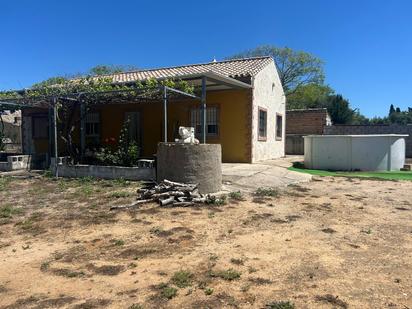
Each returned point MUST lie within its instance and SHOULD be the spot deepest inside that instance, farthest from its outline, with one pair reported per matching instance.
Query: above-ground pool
(383, 152)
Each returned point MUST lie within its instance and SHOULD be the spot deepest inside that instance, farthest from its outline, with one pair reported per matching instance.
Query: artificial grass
(393, 175)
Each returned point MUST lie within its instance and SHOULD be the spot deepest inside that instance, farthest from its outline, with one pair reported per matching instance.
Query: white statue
(187, 135)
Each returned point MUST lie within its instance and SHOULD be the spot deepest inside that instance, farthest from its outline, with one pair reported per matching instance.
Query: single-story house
(245, 112)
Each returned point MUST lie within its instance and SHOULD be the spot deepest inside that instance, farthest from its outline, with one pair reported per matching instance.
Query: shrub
(182, 279)
(264, 192)
(166, 291)
(229, 274)
(280, 305)
(126, 153)
(236, 195)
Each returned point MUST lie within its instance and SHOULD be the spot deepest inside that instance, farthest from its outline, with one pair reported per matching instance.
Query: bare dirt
(331, 243)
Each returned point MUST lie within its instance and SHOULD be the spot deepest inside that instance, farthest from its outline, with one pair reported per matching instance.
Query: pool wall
(384, 152)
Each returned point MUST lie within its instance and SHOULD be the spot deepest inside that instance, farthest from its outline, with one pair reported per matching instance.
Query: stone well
(191, 163)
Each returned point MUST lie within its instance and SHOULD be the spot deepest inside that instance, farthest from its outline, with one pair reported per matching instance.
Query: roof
(234, 68)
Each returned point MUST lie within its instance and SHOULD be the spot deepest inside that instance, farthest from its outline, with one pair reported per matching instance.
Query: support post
(165, 114)
(203, 110)
(82, 129)
(51, 134)
(56, 152)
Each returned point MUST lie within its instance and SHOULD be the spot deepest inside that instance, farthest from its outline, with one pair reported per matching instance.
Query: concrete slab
(272, 173)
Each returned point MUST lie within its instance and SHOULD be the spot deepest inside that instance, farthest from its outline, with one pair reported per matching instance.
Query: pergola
(205, 81)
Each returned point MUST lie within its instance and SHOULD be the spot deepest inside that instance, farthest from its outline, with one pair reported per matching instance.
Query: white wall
(268, 93)
(355, 152)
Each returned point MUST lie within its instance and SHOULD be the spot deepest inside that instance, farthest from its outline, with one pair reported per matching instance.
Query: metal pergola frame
(50, 102)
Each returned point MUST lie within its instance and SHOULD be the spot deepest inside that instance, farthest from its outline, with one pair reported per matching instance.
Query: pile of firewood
(170, 193)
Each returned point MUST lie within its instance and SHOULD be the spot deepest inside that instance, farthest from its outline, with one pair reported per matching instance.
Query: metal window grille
(262, 123)
(279, 126)
(92, 125)
(212, 121)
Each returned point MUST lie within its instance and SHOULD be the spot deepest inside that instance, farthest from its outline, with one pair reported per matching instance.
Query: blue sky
(366, 45)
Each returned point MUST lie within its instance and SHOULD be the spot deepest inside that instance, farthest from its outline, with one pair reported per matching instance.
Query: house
(245, 112)
(300, 122)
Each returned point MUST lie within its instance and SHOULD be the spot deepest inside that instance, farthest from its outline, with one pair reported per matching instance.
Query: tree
(339, 109)
(295, 68)
(391, 110)
(358, 118)
(309, 96)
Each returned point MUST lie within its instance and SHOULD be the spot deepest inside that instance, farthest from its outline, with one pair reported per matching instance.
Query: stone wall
(373, 129)
(107, 172)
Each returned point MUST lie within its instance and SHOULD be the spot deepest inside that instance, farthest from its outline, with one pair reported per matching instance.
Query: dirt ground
(331, 243)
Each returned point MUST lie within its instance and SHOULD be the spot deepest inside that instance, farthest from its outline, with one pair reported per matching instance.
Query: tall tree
(391, 109)
(296, 68)
(309, 96)
(339, 109)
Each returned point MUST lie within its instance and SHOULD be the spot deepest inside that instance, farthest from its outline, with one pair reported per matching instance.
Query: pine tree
(391, 110)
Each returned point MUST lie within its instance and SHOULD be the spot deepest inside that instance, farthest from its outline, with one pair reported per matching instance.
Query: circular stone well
(191, 163)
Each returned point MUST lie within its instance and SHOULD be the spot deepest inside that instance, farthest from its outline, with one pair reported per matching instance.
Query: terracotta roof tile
(229, 68)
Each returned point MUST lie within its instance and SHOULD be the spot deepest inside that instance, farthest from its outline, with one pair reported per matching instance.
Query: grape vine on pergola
(86, 92)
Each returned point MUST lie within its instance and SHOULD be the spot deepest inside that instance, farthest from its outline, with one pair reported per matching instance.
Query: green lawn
(395, 175)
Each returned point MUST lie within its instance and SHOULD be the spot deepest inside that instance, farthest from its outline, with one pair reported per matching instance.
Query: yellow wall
(234, 131)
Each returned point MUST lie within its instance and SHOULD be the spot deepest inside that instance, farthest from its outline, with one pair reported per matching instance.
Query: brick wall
(306, 121)
(300, 122)
(373, 129)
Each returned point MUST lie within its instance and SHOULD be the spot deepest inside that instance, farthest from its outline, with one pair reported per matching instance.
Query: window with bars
(262, 129)
(279, 127)
(212, 121)
(93, 127)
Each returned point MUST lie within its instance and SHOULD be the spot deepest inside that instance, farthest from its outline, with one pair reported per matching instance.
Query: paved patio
(271, 173)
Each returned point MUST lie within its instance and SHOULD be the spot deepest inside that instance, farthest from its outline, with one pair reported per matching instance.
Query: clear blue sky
(366, 45)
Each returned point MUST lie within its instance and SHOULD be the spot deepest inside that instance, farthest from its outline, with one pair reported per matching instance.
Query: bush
(182, 279)
(126, 154)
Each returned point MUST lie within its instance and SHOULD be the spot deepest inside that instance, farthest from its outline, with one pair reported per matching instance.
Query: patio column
(165, 114)
(51, 133)
(82, 129)
(203, 110)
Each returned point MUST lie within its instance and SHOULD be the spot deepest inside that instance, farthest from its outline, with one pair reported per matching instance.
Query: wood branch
(167, 201)
(137, 203)
(168, 193)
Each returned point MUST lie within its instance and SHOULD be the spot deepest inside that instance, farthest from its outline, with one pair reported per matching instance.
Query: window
(262, 124)
(134, 126)
(279, 128)
(40, 127)
(93, 127)
(212, 121)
